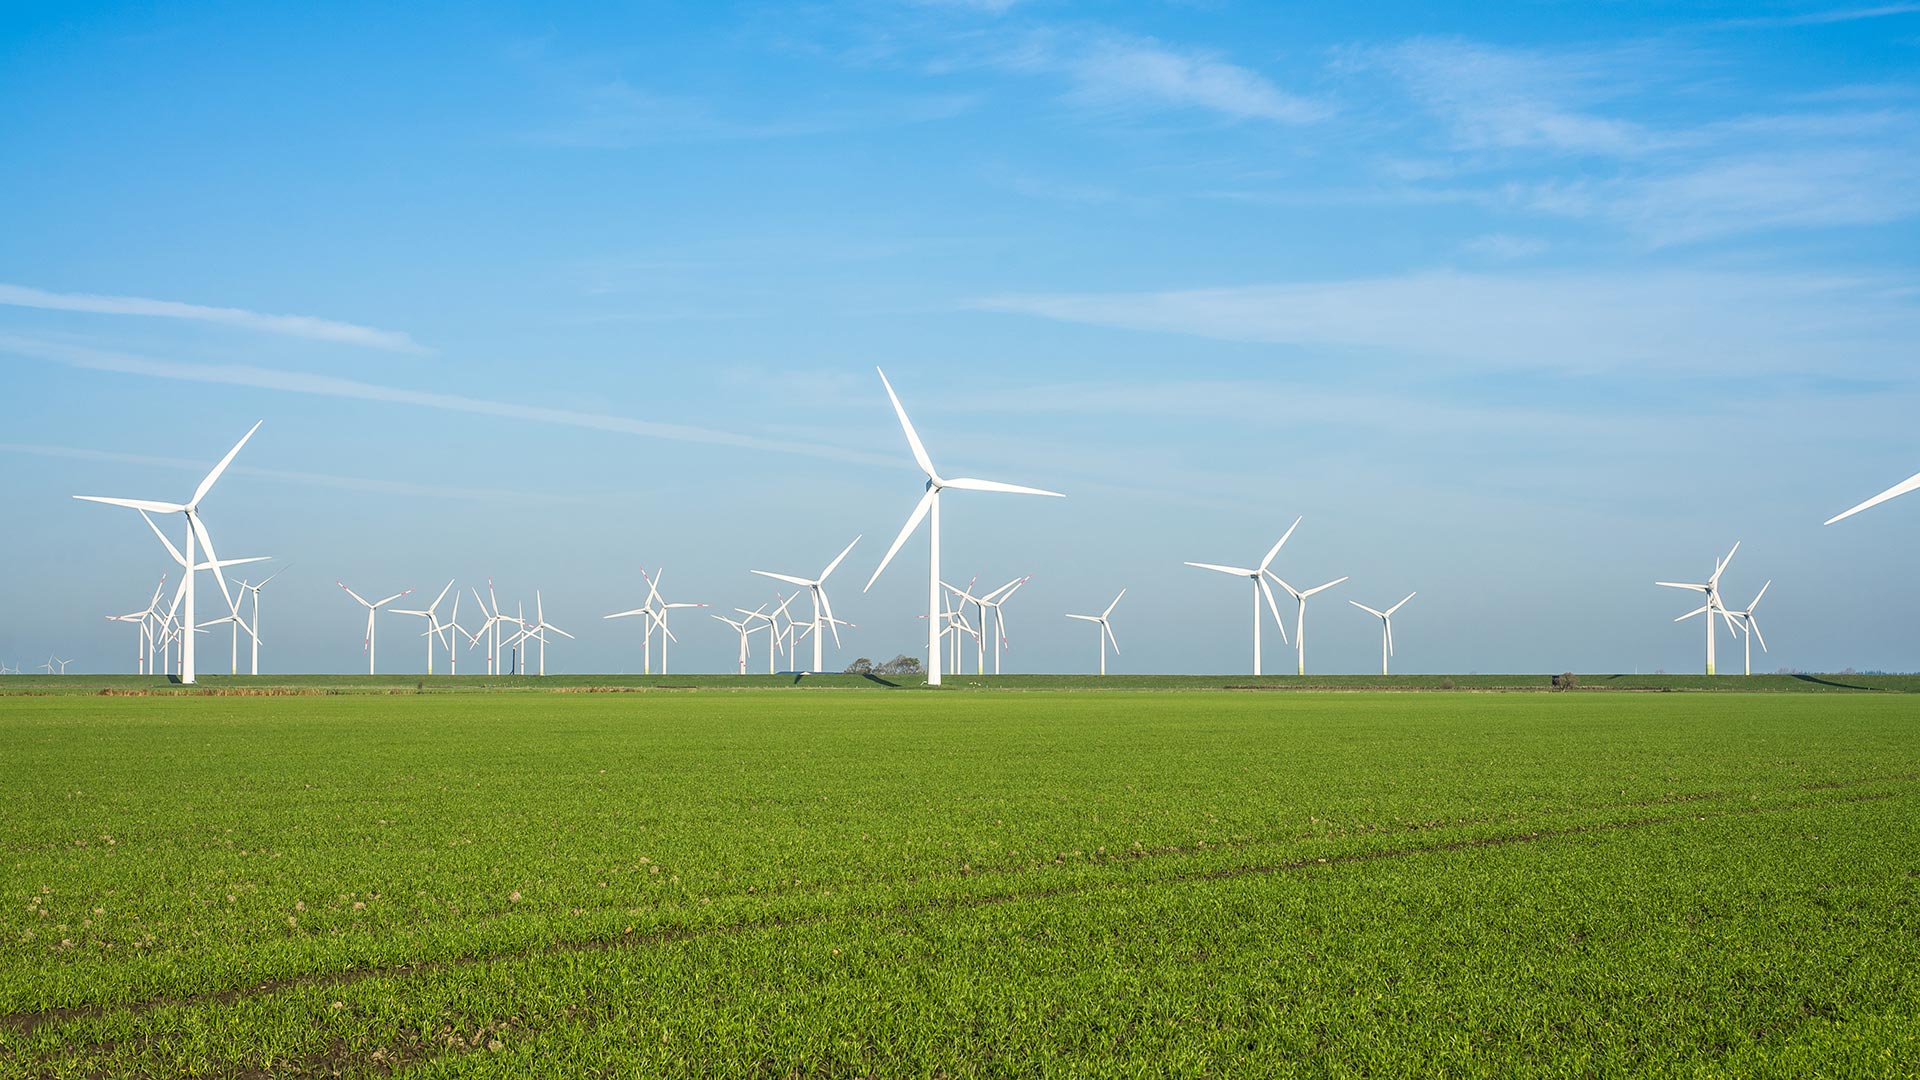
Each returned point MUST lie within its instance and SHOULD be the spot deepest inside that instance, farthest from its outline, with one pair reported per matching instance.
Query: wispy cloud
(330, 386)
(306, 479)
(1685, 321)
(299, 326)
(1104, 69)
(1821, 18)
(1505, 246)
(614, 113)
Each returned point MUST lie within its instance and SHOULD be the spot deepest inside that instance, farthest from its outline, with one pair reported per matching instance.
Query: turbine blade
(1268, 561)
(171, 550)
(913, 522)
(1323, 588)
(137, 504)
(1267, 591)
(1236, 571)
(1901, 488)
(1402, 603)
(788, 578)
(967, 483)
(1756, 599)
(1754, 625)
(1691, 614)
(1085, 618)
(913, 437)
(1368, 610)
(351, 593)
(435, 606)
(207, 484)
(835, 564)
(826, 608)
(1681, 585)
(200, 530)
(1114, 640)
(1115, 604)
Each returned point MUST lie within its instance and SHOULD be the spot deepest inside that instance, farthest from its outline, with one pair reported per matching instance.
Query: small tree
(1566, 681)
(899, 665)
(862, 666)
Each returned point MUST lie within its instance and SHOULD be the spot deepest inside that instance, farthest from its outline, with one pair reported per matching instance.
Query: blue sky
(1522, 307)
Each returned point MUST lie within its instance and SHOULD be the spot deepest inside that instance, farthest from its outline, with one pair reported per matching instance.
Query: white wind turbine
(196, 531)
(181, 593)
(253, 628)
(741, 627)
(1260, 588)
(774, 633)
(1901, 488)
(433, 622)
(490, 628)
(1751, 626)
(1300, 617)
(145, 620)
(372, 609)
(48, 666)
(929, 506)
(991, 602)
(653, 615)
(1386, 627)
(1713, 606)
(447, 630)
(1106, 630)
(63, 664)
(963, 597)
(538, 631)
(233, 658)
(822, 607)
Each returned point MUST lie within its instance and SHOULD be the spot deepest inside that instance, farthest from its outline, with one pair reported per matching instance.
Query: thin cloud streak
(299, 326)
(332, 386)
(342, 483)
(1687, 321)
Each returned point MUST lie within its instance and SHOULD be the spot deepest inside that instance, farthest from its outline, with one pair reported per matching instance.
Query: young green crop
(1036, 883)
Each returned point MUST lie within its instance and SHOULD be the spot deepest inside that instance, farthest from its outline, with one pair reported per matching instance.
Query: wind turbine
(538, 631)
(1713, 606)
(48, 666)
(773, 623)
(491, 628)
(740, 627)
(653, 615)
(929, 506)
(196, 530)
(447, 630)
(63, 663)
(371, 609)
(1751, 626)
(1106, 630)
(433, 621)
(1901, 488)
(1260, 588)
(991, 602)
(145, 619)
(233, 658)
(817, 586)
(253, 630)
(1300, 618)
(1386, 627)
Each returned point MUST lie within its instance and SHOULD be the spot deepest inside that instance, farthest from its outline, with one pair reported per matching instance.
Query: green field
(848, 883)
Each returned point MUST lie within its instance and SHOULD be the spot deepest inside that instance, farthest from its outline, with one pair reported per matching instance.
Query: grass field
(850, 883)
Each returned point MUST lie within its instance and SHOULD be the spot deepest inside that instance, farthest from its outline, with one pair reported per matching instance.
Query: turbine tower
(1260, 588)
(991, 602)
(1300, 617)
(196, 531)
(371, 610)
(1386, 627)
(1713, 606)
(741, 627)
(1106, 630)
(822, 607)
(929, 507)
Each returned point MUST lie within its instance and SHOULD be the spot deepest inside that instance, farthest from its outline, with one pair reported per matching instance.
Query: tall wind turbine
(822, 607)
(991, 602)
(1300, 618)
(1751, 626)
(196, 530)
(371, 610)
(253, 628)
(1260, 588)
(653, 615)
(1713, 606)
(433, 622)
(447, 630)
(1386, 627)
(539, 629)
(1901, 488)
(929, 507)
(1106, 630)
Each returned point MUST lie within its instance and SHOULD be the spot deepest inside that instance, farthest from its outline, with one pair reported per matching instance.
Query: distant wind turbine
(253, 628)
(1386, 627)
(1751, 626)
(1106, 630)
(929, 507)
(196, 531)
(1300, 617)
(1713, 606)
(741, 627)
(1260, 588)
(822, 607)
(433, 621)
(371, 610)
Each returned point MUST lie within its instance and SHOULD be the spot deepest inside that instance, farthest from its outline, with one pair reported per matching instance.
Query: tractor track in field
(28, 1022)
